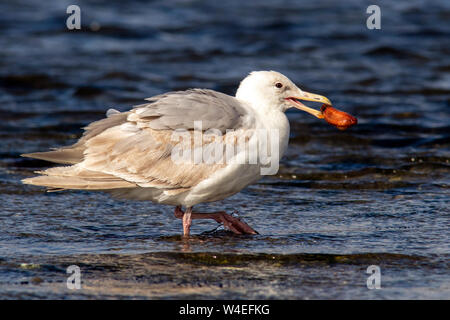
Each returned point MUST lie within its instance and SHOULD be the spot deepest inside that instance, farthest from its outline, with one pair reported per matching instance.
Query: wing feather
(134, 148)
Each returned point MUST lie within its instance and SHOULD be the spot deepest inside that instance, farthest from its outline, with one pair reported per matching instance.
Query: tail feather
(62, 183)
(63, 156)
(73, 177)
(74, 154)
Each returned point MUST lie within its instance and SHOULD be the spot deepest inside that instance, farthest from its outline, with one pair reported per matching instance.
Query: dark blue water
(376, 194)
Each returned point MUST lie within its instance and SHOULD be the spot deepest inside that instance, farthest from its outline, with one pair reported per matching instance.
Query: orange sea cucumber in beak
(340, 119)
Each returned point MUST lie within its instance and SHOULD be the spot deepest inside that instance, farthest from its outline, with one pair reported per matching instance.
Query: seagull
(131, 154)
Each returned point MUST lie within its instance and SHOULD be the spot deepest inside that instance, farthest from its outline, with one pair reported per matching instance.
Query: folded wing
(134, 149)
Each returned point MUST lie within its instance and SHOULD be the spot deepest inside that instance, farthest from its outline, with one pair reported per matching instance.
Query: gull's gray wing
(169, 111)
(134, 148)
(179, 110)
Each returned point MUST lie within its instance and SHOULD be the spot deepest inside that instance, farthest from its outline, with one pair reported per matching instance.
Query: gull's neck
(269, 117)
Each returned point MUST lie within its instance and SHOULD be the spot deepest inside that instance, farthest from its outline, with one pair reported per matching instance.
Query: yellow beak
(309, 97)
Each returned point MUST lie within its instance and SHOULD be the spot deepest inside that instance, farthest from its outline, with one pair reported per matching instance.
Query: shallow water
(376, 194)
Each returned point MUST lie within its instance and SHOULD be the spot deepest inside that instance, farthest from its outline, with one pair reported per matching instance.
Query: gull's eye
(279, 85)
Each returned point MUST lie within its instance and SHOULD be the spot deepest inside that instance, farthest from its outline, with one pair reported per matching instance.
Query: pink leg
(187, 222)
(233, 224)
